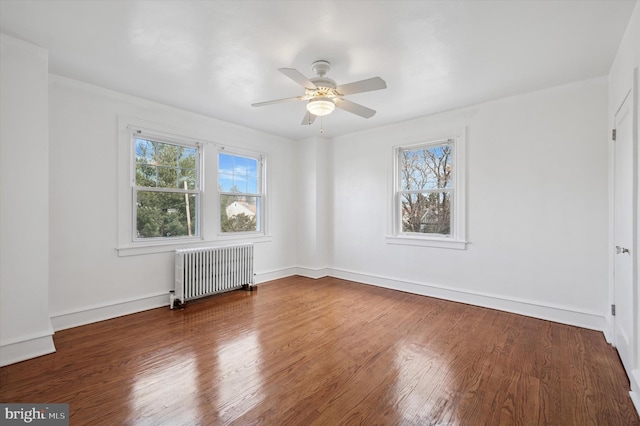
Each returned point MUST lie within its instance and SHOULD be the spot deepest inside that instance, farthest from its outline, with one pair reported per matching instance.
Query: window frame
(154, 136)
(261, 222)
(456, 238)
(208, 206)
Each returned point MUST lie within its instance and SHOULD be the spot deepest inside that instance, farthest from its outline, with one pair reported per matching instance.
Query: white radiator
(204, 271)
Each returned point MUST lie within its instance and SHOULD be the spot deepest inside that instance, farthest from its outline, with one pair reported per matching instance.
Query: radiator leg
(249, 287)
(174, 302)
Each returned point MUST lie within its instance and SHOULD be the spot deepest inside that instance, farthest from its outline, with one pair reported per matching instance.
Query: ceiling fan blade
(308, 119)
(355, 108)
(298, 77)
(296, 98)
(374, 83)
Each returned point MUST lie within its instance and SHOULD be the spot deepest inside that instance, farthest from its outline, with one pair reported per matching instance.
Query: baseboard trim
(69, 319)
(528, 308)
(10, 353)
(105, 311)
(118, 308)
(275, 274)
(315, 273)
(608, 331)
(634, 379)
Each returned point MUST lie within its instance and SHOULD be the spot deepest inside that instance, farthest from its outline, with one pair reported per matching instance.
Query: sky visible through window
(238, 174)
(426, 168)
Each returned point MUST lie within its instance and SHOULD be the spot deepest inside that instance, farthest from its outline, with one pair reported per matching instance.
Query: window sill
(447, 243)
(140, 248)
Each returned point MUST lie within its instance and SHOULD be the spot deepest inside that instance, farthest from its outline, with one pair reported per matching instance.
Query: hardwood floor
(327, 352)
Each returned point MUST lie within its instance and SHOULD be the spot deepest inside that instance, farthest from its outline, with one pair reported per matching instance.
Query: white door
(623, 233)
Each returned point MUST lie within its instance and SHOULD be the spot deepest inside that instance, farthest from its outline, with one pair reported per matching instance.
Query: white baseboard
(33, 347)
(105, 311)
(17, 351)
(118, 308)
(533, 309)
(315, 273)
(635, 398)
(64, 320)
(276, 274)
(634, 379)
(608, 331)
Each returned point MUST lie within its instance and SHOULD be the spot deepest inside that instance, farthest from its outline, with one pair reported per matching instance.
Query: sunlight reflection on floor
(421, 385)
(240, 371)
(162, 387)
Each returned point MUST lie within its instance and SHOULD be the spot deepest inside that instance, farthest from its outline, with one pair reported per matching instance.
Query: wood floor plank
(327, 352)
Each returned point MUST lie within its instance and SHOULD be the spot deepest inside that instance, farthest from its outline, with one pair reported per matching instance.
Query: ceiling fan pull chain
(321, 129)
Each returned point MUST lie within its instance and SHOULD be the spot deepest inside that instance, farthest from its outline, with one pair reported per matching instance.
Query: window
(428, 206)
(177, 189)
(166, 189)
(426, 186)
(240, 184)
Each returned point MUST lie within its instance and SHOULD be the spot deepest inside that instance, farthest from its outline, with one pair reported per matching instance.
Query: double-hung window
(425, 188)
(177, 189)
(241, 192)
(428, 194)
(166, 188)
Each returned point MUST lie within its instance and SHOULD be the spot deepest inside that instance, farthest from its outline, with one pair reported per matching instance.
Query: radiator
(204, 271)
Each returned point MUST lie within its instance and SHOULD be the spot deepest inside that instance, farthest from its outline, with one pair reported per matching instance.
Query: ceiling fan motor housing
(321, 67)
(325, 87)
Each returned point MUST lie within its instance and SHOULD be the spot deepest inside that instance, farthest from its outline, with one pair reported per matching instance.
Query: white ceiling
(218, 57)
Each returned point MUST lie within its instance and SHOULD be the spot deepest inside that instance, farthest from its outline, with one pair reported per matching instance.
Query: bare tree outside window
(426, 188)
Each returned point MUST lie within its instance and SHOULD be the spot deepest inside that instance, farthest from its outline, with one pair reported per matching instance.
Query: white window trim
(262, 159)
(125, 245)
(457, 240)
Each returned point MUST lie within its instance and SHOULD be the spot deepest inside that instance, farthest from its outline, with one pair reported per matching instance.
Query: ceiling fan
(323, 95)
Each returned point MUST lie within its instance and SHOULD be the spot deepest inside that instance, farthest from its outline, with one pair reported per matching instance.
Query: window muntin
(426, 189)
(166, 194)
(240, 184)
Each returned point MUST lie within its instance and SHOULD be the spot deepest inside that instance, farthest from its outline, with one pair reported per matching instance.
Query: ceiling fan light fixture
(320, 106)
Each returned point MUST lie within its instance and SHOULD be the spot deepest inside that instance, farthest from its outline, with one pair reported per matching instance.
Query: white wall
(313, 206)
(536, 208)
(621, 80)
(25, 329)
(89, 280)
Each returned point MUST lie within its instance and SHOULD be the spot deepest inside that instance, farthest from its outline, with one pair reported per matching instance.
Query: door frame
(633, 94)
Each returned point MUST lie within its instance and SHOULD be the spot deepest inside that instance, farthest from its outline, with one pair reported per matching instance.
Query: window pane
(167, 154)
(187, 158)
(238, 174)
(253, 185)
(225, 182)
(167, 177)
(428, 213)
(188, 176)
(426, 168)
(165, 165)
(163, 214)
(145, 151)
(239, 213)
(146, 175)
